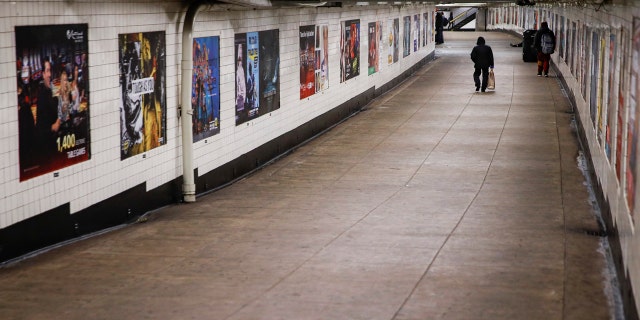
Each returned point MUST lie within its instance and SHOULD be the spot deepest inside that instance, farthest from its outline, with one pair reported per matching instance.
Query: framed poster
(374, 47)
(406, 36)
(632, 121)
(349, 49)
(143, 108)
(257, 56)
(205, 87)
(393, 33)
(53, 97)
(612, 101)
(307, 61)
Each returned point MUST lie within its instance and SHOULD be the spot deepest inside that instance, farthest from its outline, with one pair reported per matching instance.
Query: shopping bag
(491, 84)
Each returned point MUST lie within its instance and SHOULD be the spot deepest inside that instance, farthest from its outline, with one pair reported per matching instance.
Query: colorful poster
(406, 36)
(416, 32)
(392, 39)
(205, 87)
(314, 55)
(53, 97)
(622, 110)
(322, 58)
(257, 79)
(612, 98)
(307, 61)
(349, 49)
(374, 48)
(143, 115)
(632, 133)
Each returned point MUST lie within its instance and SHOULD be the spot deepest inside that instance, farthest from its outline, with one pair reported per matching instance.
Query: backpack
(547, 43)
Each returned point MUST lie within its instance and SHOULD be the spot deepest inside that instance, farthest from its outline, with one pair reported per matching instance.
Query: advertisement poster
(632, 138)
(374, 47)
(307, 61)
(612, 98)
(53, 97)
(205, 88)
(416, 32)
(349, 49)
(594, 70)
(314, 57)
(322, 58)
(143, 115)
(624, 62)
(561, 39)
(257, 56)
(425, 29)
(393, 33)
(406, 36)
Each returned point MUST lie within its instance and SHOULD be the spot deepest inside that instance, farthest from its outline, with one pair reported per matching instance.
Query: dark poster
(143, 115)
(257, 66)
(349, 50)
(374, 61)
(53, 97)
(307, 61)
(406, 37)
(205, 87)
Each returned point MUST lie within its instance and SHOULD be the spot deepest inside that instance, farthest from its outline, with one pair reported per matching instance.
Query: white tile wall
(105, 175)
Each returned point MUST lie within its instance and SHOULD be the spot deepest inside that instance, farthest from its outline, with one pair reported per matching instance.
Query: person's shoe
(539, 74)
(477, 88)
(483, 90)
(546, 75)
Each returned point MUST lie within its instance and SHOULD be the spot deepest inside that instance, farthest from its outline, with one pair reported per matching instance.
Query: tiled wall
(615, 19)
(105, 174)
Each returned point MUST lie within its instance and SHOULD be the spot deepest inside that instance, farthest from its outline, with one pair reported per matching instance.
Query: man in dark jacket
(545, 44)
(439, 24)
(482, 57)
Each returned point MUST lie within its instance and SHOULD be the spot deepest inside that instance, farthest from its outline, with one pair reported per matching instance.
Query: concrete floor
(436, 202)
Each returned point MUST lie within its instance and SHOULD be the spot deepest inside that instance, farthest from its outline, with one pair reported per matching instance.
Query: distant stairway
(460, 20)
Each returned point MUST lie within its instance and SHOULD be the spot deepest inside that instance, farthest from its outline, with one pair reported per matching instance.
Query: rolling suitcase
(529, 53)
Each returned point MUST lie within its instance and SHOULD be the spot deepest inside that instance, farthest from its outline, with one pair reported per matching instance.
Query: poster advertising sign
(374, 47)
(632, 129)
(393, 38)
(205, 87)
(349, 49)
(257, 79)
(53, 97)
(406, 36)
(416, 32)
(143, 109)
(307, 61)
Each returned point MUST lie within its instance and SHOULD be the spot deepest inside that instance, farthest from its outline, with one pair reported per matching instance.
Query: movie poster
(257, 79)
(622, 111)
(561, 39)
(374, 47)
(632, 133)
(143, 115)
(393, 32)
(205, 87)
(425, 29)
(349, 49)
(322, 57)
(594, 70)
(416, 32)
(53, 97)
(307, 61)
(406, 36)
(612, 98)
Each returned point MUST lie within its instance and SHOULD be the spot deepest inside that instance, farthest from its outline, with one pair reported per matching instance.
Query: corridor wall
(597, 58)
(101, 145)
